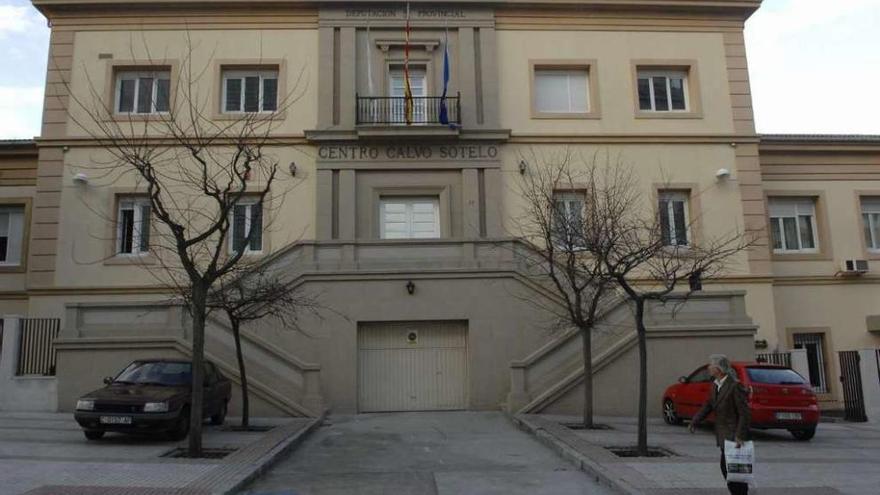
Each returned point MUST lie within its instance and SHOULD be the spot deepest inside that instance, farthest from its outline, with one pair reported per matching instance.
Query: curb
(583, 462)
(234, 475)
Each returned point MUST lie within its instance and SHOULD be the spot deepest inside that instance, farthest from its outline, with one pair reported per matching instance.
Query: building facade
(408, 229)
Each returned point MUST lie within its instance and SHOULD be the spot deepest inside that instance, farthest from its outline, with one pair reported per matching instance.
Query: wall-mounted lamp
(695, 281)
(522, 167)
(292, 169)
(410, 287)
(722, 174)
(81, 178)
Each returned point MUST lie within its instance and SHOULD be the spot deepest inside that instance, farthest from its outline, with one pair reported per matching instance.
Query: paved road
(423, 453)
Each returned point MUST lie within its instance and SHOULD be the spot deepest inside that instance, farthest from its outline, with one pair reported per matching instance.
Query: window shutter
(233, 95)
(126, 230)
(238, 227)
(680, 223)
(644, 93)
(145, 95)
(676, 84)
(16, 236)
(661, 96)
(126, 95)
(163, 94)
(665, 231)
(270, 94)
(256, 233)
(252, 94)
(145, 228)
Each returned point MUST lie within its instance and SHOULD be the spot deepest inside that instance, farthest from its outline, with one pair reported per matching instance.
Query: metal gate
(851, 379)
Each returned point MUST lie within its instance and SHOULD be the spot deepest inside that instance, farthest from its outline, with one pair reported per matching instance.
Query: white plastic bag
(740, 462)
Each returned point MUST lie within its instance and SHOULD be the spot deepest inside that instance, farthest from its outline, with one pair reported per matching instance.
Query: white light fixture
(722, 174)
(80, 178)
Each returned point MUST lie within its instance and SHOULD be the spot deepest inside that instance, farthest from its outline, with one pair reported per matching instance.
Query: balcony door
(396, 89)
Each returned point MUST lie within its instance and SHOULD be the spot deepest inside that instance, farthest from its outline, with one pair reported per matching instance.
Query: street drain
(183, 453)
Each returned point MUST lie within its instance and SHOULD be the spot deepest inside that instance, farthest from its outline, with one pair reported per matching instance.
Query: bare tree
(254, 293)
(634, 244)
(558, 216)
(195, 171)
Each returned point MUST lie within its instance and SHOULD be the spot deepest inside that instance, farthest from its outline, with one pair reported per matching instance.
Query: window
(409, 218)
(562, 90)
(143, 92)
(673, 209)
(871, 222)
(814, 343)
(397, 88)
(133, 226)
(11, 234)
(793, 225)
(247, 222)
(700, 376)
(663, 91)
(568, 221)
(250, 91)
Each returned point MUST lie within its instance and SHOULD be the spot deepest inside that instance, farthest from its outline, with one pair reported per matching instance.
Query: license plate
(115, 420)
(785, 416)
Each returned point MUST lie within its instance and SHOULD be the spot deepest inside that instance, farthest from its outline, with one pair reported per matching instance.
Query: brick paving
(46, 454)
(841, 459)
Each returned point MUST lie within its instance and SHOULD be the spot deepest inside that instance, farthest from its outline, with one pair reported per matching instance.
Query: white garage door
(416, 366)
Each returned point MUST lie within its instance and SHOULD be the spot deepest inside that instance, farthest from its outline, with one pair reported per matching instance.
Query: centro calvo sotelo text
(409, 152)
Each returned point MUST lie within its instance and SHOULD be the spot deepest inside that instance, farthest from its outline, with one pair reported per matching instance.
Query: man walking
(729, 401)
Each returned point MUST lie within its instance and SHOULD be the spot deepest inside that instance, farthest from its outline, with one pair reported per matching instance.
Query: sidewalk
(46, 454)
(841, 459)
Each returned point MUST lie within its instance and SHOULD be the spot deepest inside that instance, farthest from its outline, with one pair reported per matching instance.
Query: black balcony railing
(391, 110)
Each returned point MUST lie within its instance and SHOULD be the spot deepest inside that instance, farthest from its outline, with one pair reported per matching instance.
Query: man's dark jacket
(731, 407)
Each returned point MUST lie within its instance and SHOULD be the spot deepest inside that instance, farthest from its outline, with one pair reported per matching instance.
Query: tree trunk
(643, 378)
(588, 377)
(236, 335)
(199, 296)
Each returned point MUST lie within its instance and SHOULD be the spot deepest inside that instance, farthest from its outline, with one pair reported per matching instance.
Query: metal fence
(851, 380)
(392, 110)
(780, 358)
(36, 348)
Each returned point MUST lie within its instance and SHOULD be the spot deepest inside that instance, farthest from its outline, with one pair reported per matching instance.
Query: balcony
(391, 111)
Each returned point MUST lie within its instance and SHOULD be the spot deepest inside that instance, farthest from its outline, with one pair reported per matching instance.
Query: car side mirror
(108, 380)
(682, 379)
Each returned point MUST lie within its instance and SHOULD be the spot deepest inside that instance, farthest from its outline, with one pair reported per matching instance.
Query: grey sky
(815, 66)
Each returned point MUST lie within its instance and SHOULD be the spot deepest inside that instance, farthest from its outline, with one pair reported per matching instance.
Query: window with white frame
(871, 222)
(418, 83)
(674, 218)
(143, 92)
(409, 218)
(562, 90)
(247, 227)
(568, 218)
(663, 91)
(133, 226)
(11, 234)
(250, 91)
(793, 225)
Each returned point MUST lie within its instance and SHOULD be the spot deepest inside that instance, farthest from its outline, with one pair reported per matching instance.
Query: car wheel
(669, 414)
(181, 428)
(93, 434)
(220, 417)
(804, 435)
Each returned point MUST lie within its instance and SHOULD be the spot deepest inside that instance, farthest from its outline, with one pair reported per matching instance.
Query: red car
(778, 398)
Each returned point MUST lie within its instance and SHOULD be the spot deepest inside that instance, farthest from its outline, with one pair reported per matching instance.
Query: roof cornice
(743, 8)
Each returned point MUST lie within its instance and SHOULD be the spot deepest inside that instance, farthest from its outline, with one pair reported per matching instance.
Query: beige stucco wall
(87, 237)
(297, 48)
(613, 53)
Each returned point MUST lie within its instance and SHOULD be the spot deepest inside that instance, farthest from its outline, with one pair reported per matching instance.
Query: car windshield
(775, 376)
(156, 373)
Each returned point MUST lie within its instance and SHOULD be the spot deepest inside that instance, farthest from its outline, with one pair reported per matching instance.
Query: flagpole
(408, 97)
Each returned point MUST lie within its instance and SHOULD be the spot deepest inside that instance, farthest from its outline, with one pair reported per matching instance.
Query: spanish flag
(408, 102)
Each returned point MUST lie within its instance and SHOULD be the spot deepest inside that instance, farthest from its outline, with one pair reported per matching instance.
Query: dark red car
(778, 398)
